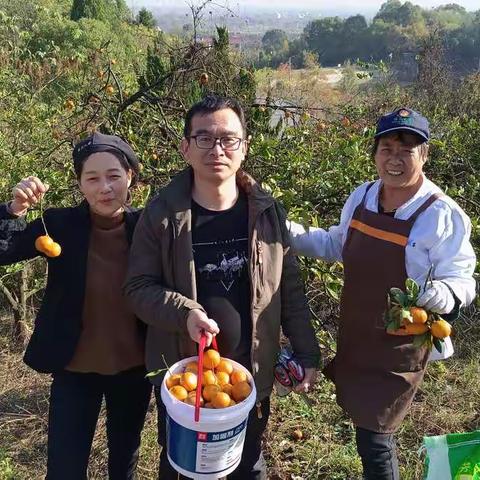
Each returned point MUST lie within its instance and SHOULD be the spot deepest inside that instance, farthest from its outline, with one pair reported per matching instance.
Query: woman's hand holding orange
(28, 192)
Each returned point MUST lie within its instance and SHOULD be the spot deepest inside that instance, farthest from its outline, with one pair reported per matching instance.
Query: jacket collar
(178, 193)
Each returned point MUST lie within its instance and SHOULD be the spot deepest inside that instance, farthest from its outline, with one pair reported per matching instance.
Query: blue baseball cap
(403, 119)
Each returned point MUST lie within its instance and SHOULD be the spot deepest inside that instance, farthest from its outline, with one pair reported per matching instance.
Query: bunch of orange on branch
(222, 386)
(404, 317)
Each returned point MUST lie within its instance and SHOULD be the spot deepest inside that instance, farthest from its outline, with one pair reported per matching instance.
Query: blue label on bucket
(204, 452)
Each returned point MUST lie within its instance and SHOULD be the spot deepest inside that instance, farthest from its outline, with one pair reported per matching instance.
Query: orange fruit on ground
(223, 378)
(43, 243)
(204, 78)
(227, 388)
(188, 380)
(173, 380)
(211, 359)
(240, 391)
(419, 315)
(225, 366)
(441, 329)
(416, 328)
(179, 392)
(192, 367)
(69, 104)
(209, 378)
(221, 400)
(238, 376)
(54, 251)
(109, 89)
(209, 391)
(192, 397)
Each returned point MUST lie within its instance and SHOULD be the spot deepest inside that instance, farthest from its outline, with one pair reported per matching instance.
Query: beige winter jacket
(161, 286)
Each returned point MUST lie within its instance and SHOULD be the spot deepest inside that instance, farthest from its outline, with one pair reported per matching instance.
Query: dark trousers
(378, 454)
(75, 401)
(252, 465)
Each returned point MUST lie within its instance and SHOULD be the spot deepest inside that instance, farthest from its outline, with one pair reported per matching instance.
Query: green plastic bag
(455, 456)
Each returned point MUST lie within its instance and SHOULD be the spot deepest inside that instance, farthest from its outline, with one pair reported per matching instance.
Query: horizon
(341, 7)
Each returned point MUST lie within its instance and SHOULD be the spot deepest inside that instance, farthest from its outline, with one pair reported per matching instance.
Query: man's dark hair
(211, 104)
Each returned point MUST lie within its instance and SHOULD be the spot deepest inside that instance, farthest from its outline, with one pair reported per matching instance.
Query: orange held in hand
(441, 329)
(419, 315)
(46, 245)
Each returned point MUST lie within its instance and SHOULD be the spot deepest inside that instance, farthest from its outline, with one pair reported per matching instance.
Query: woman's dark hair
(211, 104)
(78, 166)
(402, 136)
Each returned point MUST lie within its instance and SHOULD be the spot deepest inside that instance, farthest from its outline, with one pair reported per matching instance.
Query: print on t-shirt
(230, 262)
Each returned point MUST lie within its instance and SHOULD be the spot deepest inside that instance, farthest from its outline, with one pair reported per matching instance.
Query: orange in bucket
(188, 380)
(211, 359)
(238, 376)
(240, 391)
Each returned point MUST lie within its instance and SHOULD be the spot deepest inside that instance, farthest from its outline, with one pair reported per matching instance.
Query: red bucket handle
(201, 348)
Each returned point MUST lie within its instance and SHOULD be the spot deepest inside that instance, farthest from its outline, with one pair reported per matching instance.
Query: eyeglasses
(206, 142)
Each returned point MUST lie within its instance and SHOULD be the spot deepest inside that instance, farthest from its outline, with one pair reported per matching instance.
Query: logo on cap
(404, 113)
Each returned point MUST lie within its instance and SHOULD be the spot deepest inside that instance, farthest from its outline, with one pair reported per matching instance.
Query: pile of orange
(222, 385)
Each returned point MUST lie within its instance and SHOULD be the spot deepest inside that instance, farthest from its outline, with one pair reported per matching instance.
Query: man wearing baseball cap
(397, 227)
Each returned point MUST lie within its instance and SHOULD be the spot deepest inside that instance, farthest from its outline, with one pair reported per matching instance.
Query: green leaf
(154, 373)
(399, 297)
(395, 291)
(393, 325)
(412, 289)
(333, 293)
(438, 344)
(419, 340)
(406, 314)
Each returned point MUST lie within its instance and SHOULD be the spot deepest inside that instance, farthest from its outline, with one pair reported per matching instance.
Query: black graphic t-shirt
(220, 252)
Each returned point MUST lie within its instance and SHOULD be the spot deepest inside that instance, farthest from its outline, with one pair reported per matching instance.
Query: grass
(448, 401)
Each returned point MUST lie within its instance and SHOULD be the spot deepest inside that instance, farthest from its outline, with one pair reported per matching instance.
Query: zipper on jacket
(260, 264)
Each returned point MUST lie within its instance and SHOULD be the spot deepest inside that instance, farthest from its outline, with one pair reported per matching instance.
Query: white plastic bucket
(212, 447)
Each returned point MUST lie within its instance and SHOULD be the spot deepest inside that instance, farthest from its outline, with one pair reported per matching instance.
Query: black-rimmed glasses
(206, 142)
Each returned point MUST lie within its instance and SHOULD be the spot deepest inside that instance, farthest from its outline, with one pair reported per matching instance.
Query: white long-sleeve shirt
(440, 237)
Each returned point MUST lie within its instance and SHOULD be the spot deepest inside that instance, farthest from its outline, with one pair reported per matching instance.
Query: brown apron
(376, 374)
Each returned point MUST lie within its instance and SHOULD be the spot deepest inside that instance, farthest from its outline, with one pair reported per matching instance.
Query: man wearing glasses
(210, 255)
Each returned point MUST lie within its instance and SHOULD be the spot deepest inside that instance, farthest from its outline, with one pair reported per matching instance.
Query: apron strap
(362, 204)
(424, 206)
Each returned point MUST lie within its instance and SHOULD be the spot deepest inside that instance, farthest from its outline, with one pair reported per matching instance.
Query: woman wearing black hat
(85, 335)
(396, 227)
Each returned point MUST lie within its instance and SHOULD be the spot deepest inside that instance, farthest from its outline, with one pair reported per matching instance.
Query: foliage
(398, 27)
(103, 10)
(145, 17)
